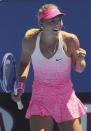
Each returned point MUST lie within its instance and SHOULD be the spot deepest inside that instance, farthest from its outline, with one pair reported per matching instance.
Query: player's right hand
(17, 97)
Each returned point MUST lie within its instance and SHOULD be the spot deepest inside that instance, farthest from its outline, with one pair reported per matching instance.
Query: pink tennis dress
(52, 92)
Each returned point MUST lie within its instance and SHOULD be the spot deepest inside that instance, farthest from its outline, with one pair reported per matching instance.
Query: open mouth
(56, 30)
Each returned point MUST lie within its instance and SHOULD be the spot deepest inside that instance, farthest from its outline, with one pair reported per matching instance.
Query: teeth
(55, 30)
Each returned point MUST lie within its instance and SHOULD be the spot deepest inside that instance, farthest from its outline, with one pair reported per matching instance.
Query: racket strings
(8, 75)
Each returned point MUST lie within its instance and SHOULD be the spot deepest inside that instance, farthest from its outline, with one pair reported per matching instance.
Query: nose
(57, 24)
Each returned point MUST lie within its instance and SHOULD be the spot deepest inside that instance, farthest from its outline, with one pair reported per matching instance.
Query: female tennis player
(52, 52)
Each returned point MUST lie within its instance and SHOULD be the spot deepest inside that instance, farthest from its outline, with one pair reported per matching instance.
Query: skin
(71, 45)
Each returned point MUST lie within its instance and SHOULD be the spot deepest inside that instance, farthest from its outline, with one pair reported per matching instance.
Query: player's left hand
(80, 54)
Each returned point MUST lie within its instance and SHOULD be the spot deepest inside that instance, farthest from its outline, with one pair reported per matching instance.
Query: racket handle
(20, 105)
(19, 102)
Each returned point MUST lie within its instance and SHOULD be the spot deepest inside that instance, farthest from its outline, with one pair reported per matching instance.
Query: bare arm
(25, 62)
(78, 55)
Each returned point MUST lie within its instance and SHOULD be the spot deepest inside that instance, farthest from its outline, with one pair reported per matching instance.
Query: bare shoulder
(69, 36)
(70, 39)
(29, 40)
(31, 33)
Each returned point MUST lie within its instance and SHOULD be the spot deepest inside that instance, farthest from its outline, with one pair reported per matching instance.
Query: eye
(52, 21)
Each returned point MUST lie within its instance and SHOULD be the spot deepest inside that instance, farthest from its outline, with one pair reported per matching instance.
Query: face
(52, 25)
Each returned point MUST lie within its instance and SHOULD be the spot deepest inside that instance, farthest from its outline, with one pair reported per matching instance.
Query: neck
(49, 40)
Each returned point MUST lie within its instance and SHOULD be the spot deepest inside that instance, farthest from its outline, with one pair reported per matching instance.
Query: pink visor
(49, 14)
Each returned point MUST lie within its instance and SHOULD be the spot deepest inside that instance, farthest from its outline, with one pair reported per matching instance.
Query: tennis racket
(9, 77)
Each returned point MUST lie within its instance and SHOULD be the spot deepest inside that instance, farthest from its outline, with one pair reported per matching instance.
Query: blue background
(17, 16)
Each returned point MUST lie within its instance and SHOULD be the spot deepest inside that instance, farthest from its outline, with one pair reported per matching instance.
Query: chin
(56, 32)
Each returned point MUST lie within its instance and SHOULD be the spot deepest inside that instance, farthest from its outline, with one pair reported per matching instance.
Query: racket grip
(19, 102)
(20, 105)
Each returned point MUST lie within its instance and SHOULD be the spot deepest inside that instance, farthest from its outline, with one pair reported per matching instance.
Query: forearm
(79, 60)
(80, 66)
(23, 74)
(23, 71)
